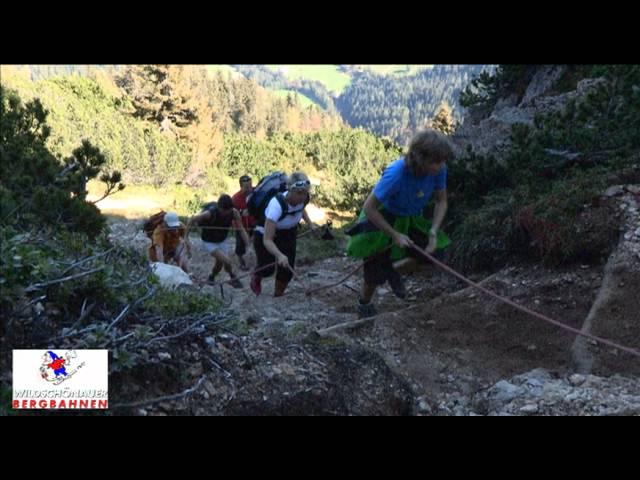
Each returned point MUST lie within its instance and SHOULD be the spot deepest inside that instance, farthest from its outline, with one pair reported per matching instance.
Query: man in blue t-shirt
(392, 224)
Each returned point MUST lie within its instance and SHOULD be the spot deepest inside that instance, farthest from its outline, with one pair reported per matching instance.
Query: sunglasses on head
(301, 184)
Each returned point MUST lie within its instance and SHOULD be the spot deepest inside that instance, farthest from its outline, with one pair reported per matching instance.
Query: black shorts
(286, 242)
(378, 267)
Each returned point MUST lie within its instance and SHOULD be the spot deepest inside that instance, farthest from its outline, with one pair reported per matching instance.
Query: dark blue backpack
(269, 187)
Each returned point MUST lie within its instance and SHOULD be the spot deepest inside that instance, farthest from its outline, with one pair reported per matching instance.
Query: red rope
(524, 309)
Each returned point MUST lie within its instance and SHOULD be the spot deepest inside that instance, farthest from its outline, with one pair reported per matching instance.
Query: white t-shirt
(274, 211)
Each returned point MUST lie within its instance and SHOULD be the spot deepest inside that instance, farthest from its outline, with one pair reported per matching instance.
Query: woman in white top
(275, 235)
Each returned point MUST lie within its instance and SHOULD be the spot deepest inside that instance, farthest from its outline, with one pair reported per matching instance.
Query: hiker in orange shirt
(168, 242)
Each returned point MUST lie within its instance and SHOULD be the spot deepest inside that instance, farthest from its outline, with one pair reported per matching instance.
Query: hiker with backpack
(279, 204)
(392, 225)
(168, 239)
(248, 221)
(217, 219)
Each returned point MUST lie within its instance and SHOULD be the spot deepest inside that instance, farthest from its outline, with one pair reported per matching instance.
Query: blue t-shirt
(404, 194)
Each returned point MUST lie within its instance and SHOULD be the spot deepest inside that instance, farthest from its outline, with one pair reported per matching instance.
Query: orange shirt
(168, 238)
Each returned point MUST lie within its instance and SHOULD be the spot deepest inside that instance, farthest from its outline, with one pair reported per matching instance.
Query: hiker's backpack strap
(283, 205)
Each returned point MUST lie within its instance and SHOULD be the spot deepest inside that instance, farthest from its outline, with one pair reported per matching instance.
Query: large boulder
(170, 276)
(489, 134)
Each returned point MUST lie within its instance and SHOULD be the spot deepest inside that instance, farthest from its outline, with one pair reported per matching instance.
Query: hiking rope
(524, 309)
(511, 303)
(471, 283)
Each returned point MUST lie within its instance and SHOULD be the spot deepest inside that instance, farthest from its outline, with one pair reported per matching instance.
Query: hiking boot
(366, 310)
(279, 288)
(235, 282)
(256, 284)
(397, 284)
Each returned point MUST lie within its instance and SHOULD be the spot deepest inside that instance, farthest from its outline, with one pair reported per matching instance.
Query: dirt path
(448, 346)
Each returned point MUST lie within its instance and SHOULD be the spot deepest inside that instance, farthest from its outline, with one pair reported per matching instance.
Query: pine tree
(443, 119)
